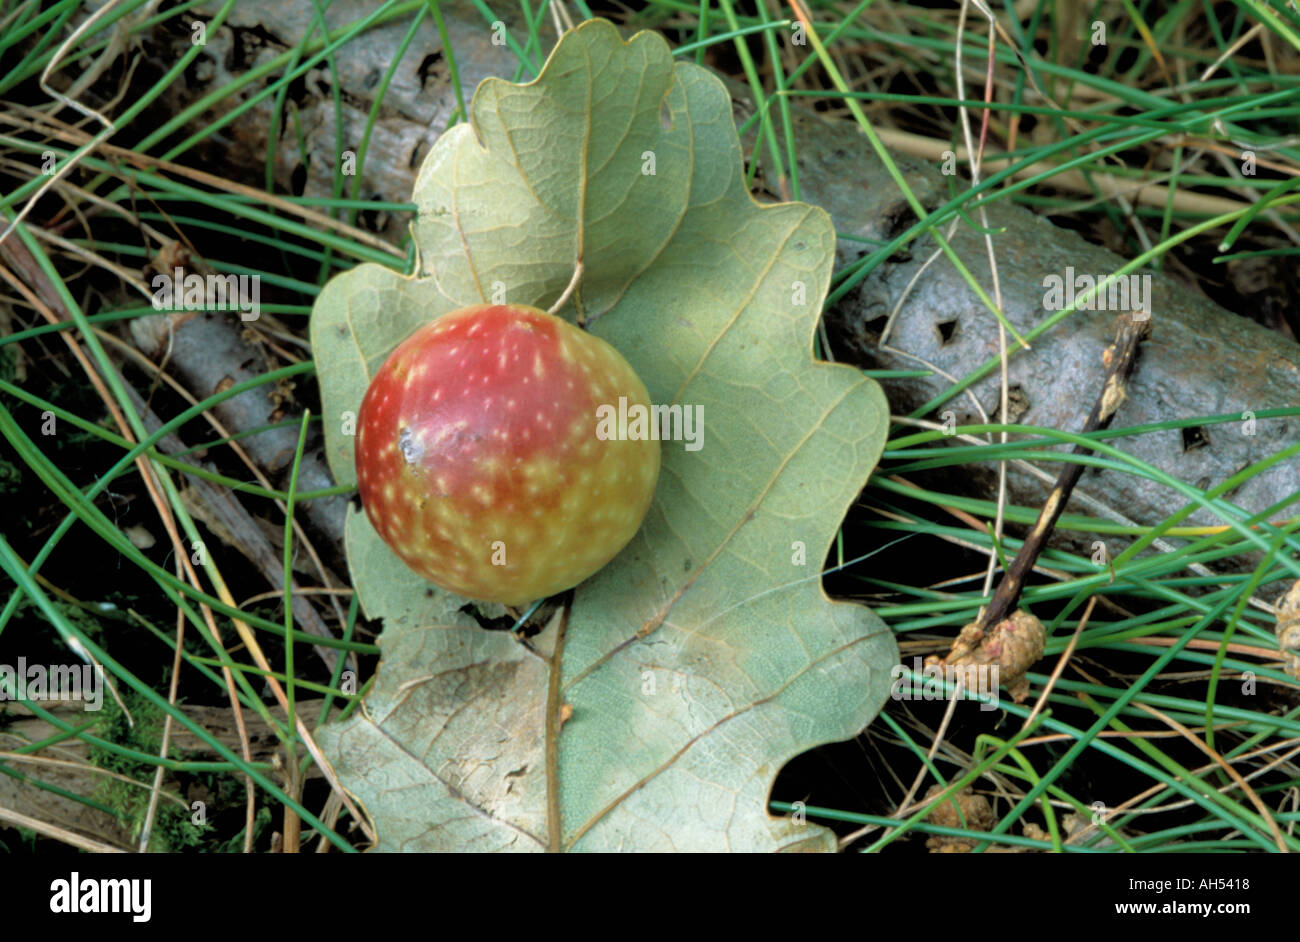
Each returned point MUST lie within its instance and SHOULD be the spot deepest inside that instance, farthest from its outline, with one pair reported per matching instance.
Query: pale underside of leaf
(706, 655)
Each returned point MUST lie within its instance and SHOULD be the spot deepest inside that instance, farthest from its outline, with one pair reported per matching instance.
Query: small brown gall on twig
(1013, 646)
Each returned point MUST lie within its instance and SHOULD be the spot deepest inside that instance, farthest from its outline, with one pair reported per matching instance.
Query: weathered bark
(1200, 359)
(210, 352)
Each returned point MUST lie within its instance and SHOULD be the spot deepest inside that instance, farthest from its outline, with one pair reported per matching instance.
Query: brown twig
(1119, 358)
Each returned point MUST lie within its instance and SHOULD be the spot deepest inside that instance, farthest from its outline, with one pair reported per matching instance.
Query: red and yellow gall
(478, 460)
